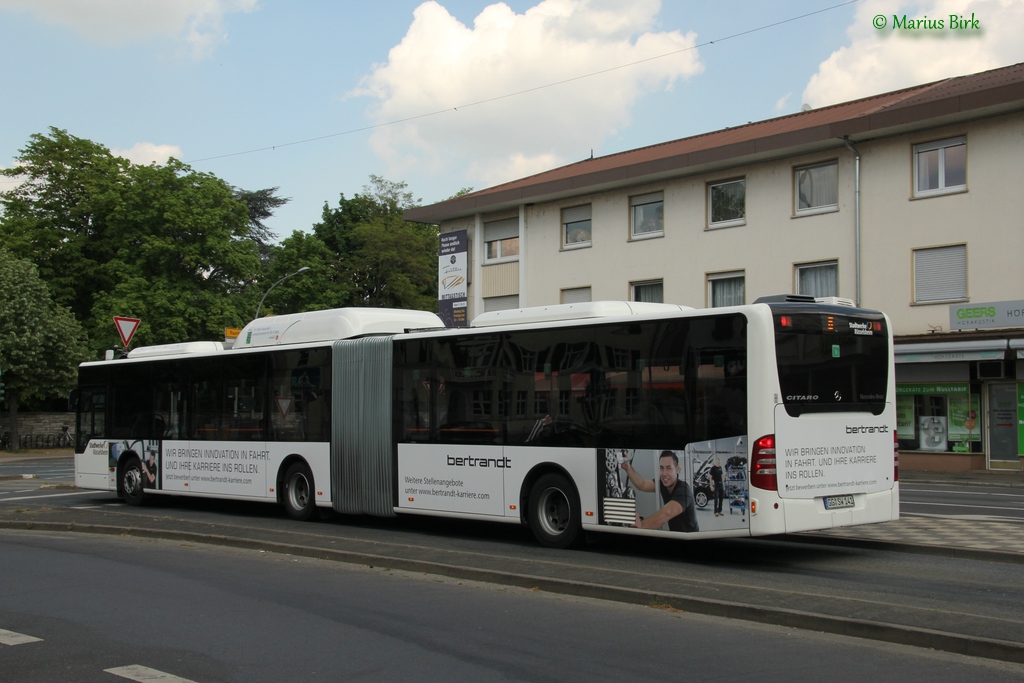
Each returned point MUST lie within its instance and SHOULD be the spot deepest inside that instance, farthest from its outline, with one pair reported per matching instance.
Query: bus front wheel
(131, 481)
(299, 501)
(554, 512)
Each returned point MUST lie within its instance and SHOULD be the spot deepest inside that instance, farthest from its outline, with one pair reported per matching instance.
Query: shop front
(960, 404)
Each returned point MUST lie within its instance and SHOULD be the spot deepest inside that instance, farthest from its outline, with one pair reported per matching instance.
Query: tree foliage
(41, 343)
(361, 253)
(164, 243)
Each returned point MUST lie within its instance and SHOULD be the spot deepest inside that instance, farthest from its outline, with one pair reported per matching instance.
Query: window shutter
(501, 230)
(940, 274)
(647, 198)
(576, 213)
(578, 295)
(501, 303)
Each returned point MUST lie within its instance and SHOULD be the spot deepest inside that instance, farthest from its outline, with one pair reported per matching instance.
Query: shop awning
(950, 352)
(1018, 346)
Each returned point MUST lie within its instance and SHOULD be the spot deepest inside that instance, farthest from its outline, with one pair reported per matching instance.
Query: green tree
(58, 216)
(41, 343)
(385, 260)
(164, 243)
(261, 205)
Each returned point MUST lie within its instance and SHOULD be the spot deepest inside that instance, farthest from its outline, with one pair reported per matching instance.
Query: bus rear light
(762, 464)
(895, 457)
(753, 506)
(785, 321)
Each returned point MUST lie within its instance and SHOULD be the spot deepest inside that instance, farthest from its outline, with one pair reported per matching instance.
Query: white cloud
(878, 61)
(146, 153)
(117, 22)
(442, 63)
(780, 104)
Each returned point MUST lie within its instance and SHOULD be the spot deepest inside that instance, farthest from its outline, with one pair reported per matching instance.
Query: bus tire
(554, 512)
(131, 481)
(299, 499)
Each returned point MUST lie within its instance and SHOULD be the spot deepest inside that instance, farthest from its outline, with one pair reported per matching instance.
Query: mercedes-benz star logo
(839, 396)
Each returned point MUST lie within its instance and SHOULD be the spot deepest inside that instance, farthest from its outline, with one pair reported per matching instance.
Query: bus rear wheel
(554, 512)
(299, 501)
(131, 481)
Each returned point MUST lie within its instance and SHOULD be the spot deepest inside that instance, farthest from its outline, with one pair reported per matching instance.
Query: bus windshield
(831, 360)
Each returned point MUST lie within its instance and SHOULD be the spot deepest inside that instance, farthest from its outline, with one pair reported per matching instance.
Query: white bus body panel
(92, 467)
(240, 470)
(485, 480)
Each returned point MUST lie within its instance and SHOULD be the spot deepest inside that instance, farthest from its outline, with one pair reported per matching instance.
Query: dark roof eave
(999, 99)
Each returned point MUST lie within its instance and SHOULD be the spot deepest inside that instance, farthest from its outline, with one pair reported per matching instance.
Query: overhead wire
(525, 91)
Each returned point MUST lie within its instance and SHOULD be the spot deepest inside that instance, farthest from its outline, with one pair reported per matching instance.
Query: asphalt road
(100, 608)
(961, 605)
(953, 500)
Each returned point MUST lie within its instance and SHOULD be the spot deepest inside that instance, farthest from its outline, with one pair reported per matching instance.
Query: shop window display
(938, 417)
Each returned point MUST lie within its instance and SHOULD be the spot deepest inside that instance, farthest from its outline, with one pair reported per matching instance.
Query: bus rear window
(831, 361)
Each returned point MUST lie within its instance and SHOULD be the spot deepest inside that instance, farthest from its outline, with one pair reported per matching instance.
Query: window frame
(711, 278)
(814, 210)
(731, 222)
(500, 232)
(646, 283)
(582, 244)
(646, 199)
(941, 146)
(815, 264)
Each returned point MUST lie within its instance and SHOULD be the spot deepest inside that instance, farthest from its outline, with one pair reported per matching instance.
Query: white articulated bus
(622, 417)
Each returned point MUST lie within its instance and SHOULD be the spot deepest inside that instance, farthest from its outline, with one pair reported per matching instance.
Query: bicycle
(64, 439)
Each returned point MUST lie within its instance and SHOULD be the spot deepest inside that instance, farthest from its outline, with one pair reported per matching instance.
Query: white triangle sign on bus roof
(126, 327)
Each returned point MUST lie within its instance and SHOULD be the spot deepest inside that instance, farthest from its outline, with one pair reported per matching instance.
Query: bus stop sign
(126, 327)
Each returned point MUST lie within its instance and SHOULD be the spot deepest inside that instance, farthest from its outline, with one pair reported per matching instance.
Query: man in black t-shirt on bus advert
(678, 510)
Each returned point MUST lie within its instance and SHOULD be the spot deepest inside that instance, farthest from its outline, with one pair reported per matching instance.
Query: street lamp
(301, 270)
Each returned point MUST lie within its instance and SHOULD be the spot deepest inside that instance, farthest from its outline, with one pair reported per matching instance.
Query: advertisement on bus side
(702, 487)
(821, 454)
(453, 478)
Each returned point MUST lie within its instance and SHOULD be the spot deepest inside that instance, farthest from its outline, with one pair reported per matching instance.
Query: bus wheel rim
(554, 511)
(298, 492)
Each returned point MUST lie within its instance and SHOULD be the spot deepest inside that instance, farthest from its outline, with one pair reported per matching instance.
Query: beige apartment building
(910, 202)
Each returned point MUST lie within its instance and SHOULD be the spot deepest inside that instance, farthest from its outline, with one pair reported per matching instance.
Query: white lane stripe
(965, 518)
(960, 505)
(135, 672)
(51, 495)
(980, 494)
(12, 638)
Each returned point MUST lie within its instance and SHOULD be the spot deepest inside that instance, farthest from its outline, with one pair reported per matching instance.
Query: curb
(892, 633)
(903, 547)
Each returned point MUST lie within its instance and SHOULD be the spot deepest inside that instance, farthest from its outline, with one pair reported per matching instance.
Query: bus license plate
(837, 502)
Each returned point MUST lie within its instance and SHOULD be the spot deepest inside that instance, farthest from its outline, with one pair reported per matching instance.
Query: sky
(315, 96)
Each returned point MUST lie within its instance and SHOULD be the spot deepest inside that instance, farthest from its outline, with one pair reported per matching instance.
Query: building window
(725, 289)
(652, 291)
(647, 215)
(576, 227)
(940, 274)
(939, 417)
(727, 203)
(940, 167)
(576, 295)
(818, 279)
(501, 240)
(816, 188)
(501, 303)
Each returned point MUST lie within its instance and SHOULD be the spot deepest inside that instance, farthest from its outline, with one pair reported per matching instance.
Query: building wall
(988, 218)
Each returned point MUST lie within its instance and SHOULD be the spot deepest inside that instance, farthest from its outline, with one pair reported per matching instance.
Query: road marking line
(960, 505)
(12, 638)
(51, 495)
(136, 672)
(962, 493)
